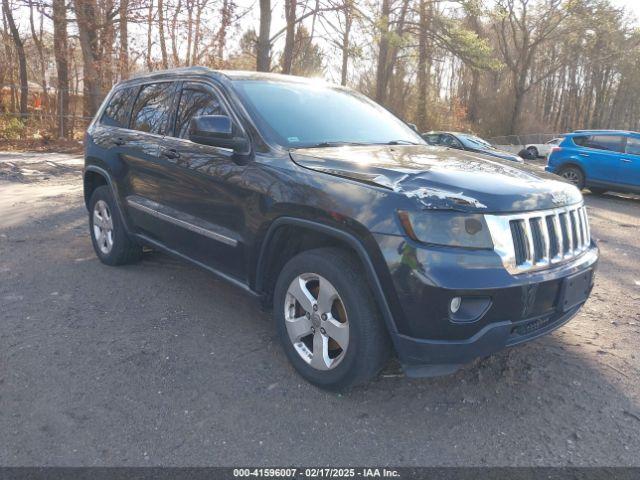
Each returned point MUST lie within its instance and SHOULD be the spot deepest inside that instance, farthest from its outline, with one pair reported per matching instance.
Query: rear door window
(196, 100)
(450, 141)
(119, 109)
(633, 146)
(432, 139)
(152, 109)
(612, 143)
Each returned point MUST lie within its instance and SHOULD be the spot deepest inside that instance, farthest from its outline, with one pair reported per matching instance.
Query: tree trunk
(163, 45)
(290, 16)
(174, 35)
(60, 49)
(263, 54)
(226, 12)
(516, 111)
(37, 40)
(11, 65)
(201, 4)
(383, 53)
(149, 32)
(124, 39)
(22, 59)
(189, 31)
(348, 22)
(107, 41)
(86, 17)
(423, 74)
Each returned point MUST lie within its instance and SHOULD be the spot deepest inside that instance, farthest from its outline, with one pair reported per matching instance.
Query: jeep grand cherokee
(363, 240)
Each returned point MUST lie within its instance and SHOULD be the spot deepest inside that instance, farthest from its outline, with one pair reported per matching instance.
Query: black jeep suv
(364, 240)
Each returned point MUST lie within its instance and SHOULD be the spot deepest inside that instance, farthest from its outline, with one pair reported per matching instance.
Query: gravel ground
(160, 363)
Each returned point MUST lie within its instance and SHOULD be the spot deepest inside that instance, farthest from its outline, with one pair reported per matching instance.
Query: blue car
(600, 160)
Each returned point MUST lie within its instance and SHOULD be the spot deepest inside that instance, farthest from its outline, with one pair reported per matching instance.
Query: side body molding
(346, 237)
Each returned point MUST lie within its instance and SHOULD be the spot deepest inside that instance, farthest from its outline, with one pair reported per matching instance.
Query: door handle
(119, 141)
(170, 153)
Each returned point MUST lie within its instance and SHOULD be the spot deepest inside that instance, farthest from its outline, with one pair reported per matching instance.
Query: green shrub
(11, 128)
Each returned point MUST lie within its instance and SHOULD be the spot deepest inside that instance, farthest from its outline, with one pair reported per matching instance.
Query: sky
(631, 5)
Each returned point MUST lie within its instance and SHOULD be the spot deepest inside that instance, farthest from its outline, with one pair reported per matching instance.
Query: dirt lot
(159, 363)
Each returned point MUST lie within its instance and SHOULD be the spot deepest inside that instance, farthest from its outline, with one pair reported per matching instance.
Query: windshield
(474, 142)
(298, 115)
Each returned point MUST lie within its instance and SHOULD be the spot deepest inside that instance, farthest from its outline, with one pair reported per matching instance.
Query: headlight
(452, 229)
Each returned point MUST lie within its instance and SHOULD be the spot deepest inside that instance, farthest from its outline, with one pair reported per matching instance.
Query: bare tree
(150, 17)
(22, 59)
(163, 46)
(60, 48)
(37, 41)
(522, 28)
(88, 31)
(290, 17)
(263, 47)
(123, 28)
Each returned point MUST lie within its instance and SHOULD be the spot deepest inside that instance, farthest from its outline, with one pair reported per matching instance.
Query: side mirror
(413, 127)
(215, 130)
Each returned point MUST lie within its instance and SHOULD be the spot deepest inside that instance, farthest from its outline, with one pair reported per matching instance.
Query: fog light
(455, 304)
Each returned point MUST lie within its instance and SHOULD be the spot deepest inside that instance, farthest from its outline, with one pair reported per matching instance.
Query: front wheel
(327, 320)
(533, 151)
(573, 175)
(112, 244)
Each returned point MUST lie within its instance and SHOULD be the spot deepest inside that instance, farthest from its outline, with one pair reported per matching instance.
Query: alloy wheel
(316, 321)
(103, 226)
(572, 176)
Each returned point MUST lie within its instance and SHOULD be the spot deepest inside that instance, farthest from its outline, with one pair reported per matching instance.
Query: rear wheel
(327, 320)
(573, 175)
(112, 244)
(533, 151)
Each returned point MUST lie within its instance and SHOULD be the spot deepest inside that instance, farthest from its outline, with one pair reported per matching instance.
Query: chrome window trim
(500, 229)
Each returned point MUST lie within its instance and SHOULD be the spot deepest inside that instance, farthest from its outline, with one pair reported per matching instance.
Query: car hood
(443, 178)
(502, 154)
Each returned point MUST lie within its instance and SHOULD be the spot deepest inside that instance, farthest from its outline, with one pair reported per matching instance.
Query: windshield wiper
(333, 144)
(401, 142)
(343, 143)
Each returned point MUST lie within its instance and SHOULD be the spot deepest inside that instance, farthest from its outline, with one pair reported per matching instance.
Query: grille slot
(539, 245)
(540, 239)
(567, 240)
(553, 236)
(520, 245)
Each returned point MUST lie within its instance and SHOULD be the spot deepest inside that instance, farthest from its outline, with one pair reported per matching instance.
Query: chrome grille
(535, 240)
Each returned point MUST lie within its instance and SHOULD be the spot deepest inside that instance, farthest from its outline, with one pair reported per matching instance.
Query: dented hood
(442, 178)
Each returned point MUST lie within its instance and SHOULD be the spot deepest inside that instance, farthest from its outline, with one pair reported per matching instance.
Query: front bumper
(429, 340)
(425, 358)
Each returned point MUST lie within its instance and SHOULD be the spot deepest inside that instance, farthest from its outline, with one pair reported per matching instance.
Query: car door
(630, 163)
(601, 156)
(205, 194)
(145, 175)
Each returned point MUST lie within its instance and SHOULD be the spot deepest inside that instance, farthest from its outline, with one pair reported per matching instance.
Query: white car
(543, 149)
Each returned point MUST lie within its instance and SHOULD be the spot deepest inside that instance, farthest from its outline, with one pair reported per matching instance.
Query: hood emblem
(560, 198)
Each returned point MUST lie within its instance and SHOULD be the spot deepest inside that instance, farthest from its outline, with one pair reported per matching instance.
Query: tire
(533, 151)
(367, 348)
(598, 190)
(573, 175)
(112, 244)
